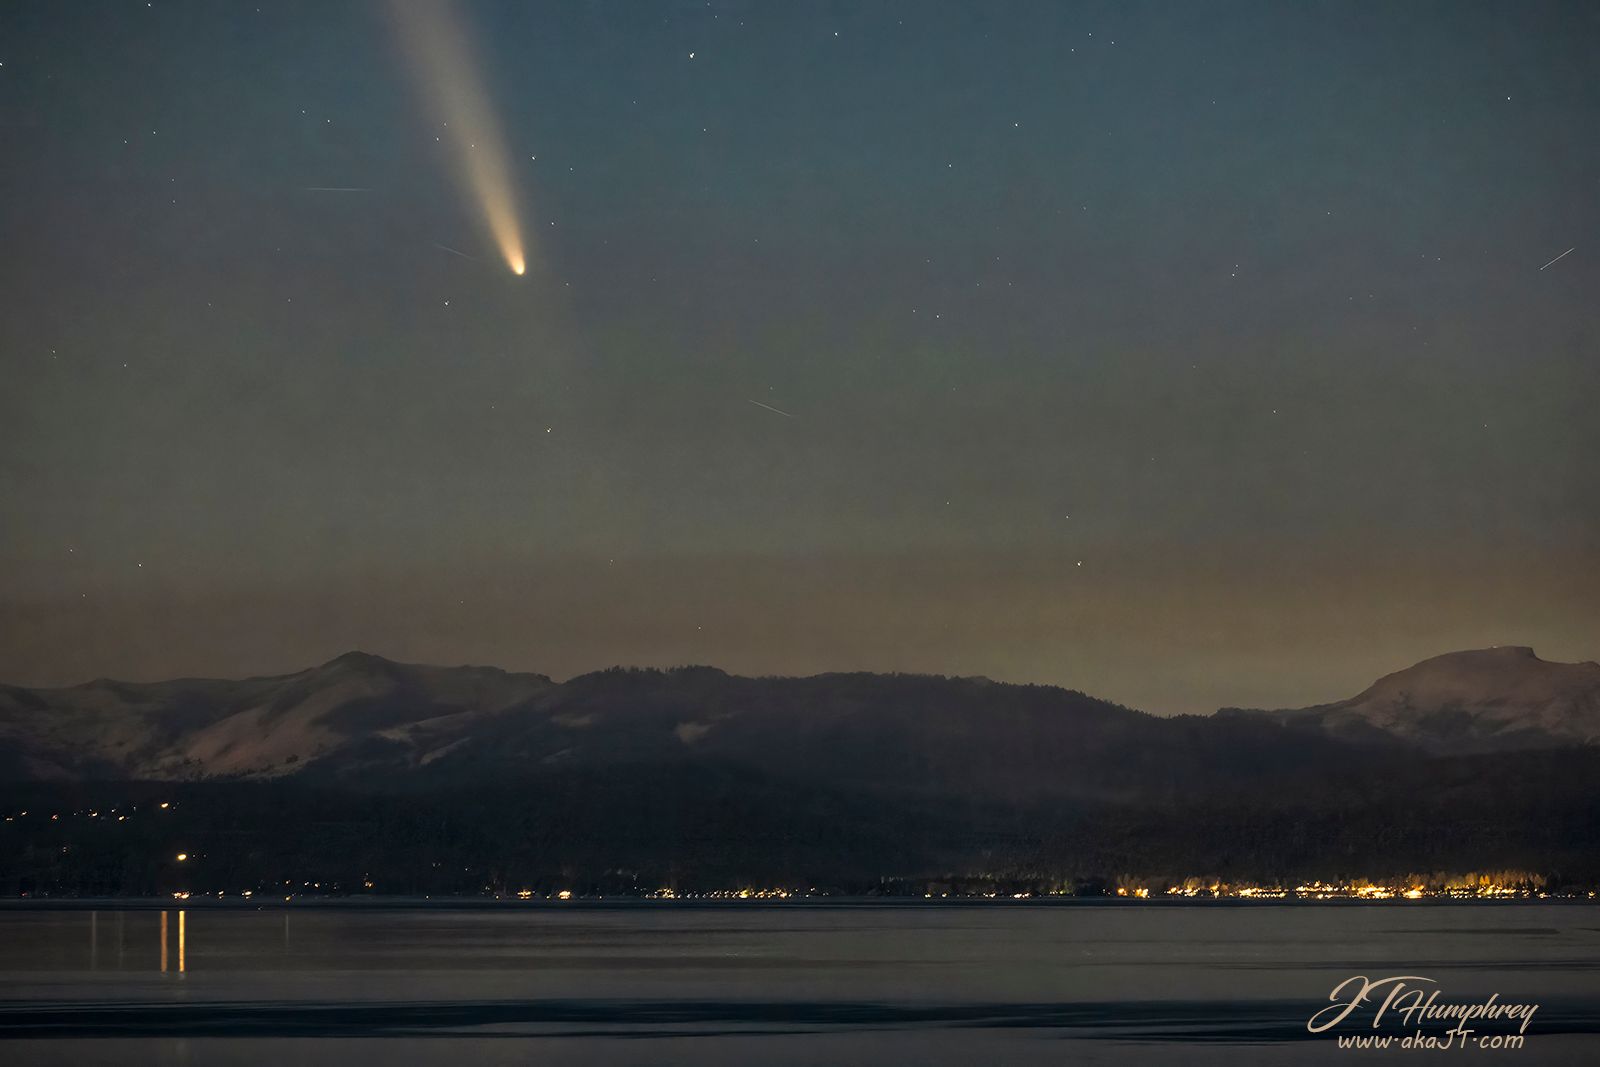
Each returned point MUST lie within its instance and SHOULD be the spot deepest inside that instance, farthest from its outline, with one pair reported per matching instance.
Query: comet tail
(436, 45)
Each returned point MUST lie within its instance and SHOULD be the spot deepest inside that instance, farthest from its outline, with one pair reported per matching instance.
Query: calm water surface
(793, 984)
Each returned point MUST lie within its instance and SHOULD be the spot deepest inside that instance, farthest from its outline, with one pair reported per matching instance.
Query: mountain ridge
(446, 779)
(1496, 699)
(362, 715)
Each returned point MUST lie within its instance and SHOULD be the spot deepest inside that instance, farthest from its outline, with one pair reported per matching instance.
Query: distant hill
(258, 727)
(1487, 700)
(363, 720)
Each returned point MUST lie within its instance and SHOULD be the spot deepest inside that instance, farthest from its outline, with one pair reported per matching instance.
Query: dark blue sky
(1187, 354)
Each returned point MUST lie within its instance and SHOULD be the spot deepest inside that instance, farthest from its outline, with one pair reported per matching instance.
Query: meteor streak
(435, 43)
(457, 252)
(769, 407)
(1561, 256)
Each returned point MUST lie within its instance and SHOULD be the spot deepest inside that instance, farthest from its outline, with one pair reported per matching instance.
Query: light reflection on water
(789, 978)
(161, 961)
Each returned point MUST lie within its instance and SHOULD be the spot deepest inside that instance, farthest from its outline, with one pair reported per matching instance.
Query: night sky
(1187, 354)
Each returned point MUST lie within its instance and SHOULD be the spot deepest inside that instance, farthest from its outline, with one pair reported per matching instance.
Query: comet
(434, 41)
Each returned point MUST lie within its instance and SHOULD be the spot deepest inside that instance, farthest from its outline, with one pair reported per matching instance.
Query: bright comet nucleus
(435, 43)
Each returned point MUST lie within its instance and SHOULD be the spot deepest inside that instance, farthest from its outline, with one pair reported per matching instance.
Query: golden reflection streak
(434, 41)
(163, 942)
(181, 915)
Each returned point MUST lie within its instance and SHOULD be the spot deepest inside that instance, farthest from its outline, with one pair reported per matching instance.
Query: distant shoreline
(819, 901)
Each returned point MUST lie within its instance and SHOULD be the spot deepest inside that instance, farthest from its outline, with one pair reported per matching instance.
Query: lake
(793, 983)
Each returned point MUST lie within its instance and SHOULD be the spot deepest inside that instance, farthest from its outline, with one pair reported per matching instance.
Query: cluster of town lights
(1481, 885)
(1350, 890)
